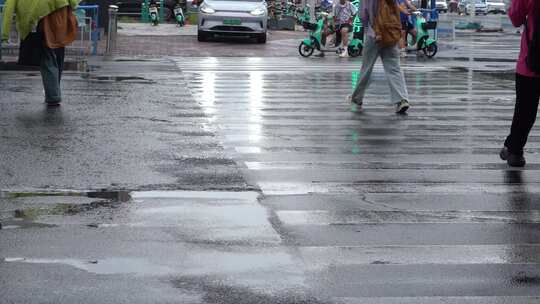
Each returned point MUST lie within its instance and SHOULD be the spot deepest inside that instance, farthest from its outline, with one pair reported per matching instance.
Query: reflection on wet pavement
(366, 195)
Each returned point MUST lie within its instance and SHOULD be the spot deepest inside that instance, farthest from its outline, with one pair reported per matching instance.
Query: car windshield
(480, 1)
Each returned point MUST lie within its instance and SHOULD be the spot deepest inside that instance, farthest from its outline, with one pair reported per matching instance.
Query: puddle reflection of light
(256, 84)
(356, 147)
(208, 95)
(254, 59)
(210, 62)
(355, 76)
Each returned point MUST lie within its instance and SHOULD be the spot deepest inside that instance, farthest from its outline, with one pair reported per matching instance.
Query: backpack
(387, 25)
(533, 55)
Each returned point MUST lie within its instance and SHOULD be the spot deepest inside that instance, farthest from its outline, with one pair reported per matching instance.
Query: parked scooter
(154, 13)
(423, 41)
(179, 13)
(315, 39)
(303, 15)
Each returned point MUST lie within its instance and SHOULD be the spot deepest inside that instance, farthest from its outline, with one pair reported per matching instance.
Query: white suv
(441, 6)
(233, 17)
(496, 6)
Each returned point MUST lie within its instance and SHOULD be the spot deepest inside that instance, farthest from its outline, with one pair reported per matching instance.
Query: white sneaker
(344, 54)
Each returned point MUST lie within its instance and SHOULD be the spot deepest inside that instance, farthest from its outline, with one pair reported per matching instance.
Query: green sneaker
(402, 106)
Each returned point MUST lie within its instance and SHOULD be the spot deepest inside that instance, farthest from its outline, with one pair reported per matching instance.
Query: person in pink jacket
(527, 83)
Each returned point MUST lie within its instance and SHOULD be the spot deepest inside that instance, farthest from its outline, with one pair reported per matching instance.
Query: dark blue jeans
(51, 67)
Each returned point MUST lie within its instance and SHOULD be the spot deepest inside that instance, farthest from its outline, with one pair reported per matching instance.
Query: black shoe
(355, 105)
(513, 160)
(402, 106)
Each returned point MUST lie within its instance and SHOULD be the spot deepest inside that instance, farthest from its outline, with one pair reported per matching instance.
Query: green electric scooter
(314, 41)
(424, 43)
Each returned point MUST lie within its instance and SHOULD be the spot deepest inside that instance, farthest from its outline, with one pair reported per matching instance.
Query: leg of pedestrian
(398, 89)
(371, 52)
(526, 108)
(344, 32)
(50, 74)
(60, 56)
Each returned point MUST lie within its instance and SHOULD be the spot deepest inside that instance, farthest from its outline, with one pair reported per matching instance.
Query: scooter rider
(328, 30)
(153, 9)
(407, 26)
(344, 11)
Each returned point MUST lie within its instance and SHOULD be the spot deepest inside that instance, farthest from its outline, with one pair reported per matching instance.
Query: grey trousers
(392, 69)
(51, 67)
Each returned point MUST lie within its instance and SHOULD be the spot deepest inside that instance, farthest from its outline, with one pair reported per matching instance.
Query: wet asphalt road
(125, 125)
(318, 204)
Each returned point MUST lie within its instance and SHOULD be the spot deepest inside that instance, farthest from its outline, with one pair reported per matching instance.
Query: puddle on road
(23, 224)
(104, 266)
(195, 194)
(195, 261)
(132, 60)
(28, 217)
(120, 195)
(61, 209)
(269, 274)
(222, 291)
(117, 196)
(136, 79)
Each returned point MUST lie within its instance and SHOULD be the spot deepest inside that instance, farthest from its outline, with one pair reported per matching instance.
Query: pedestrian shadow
(47, 126)
(47, 118)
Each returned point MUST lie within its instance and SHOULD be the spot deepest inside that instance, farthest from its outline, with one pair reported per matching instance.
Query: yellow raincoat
(29, 12)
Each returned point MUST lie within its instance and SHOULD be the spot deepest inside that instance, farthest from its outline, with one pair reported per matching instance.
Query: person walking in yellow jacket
(47, 26)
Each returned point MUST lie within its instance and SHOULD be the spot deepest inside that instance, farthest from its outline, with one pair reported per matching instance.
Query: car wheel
(202, 36)
(261, 38)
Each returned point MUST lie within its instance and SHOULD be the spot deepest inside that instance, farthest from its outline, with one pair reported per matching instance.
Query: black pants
(527, 97)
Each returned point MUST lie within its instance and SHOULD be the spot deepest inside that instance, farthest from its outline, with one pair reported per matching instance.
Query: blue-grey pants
(392, 69)
(51, 67)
